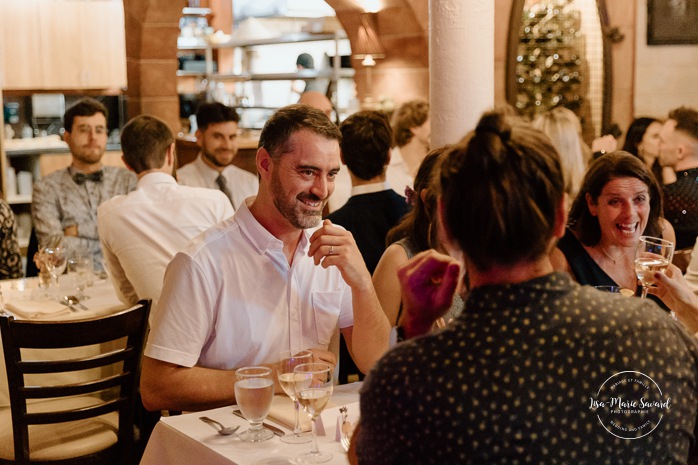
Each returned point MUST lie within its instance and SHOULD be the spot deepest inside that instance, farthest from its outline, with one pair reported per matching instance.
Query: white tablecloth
(185, 440)
(102, 301)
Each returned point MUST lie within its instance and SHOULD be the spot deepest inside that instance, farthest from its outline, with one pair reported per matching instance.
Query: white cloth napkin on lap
(33, 309)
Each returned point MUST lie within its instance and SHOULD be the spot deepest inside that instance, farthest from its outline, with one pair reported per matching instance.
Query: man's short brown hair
(85, 107)
(144, 142)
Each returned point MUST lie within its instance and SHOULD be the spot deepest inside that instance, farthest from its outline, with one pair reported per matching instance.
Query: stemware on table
(313, 383)
(80, 270)
(55, 261)
(288, 360)
(254, 391)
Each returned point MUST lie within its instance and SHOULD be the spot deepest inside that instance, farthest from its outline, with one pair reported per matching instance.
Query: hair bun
(494, 123)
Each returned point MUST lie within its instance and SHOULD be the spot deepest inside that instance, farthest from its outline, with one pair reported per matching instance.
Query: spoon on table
(71, 300)
(223, 430)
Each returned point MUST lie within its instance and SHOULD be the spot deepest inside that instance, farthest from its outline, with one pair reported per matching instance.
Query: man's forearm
(371, 329)
(165, 386)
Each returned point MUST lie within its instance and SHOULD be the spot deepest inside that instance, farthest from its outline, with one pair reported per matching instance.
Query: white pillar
(461, 66)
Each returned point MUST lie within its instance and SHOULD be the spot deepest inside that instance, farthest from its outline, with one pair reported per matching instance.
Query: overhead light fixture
(368, 48)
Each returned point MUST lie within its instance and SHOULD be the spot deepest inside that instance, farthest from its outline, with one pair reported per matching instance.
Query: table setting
(30, 299)
(186, 438)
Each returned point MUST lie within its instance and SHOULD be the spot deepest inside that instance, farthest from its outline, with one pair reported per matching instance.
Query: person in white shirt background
(141, 232)
(216, 135)
(412, 136)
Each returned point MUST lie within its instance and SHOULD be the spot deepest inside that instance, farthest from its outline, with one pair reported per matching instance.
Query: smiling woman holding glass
(619, 201)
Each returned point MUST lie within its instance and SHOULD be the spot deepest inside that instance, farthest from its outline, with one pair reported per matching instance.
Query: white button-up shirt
(231, 299)
(241, 183)
(141, 232)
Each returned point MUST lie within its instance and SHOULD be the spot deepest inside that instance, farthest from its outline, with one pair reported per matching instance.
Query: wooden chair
(83, 422)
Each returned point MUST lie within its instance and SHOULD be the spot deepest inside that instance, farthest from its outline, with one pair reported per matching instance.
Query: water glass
(254, 391)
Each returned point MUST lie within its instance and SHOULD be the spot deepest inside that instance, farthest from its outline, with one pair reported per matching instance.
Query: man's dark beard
(211, 158)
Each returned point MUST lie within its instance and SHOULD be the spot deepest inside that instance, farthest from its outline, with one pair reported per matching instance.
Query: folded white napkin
(283, 413)
(33, 309)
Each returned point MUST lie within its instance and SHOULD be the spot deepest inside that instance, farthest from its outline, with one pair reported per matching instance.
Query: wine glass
(54, 260)
(289, 360)
(80, 271)
(653, 254)
(254, 391)
(313, 385)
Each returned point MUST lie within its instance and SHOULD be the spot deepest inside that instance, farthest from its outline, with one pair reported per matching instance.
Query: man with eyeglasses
(64, 203)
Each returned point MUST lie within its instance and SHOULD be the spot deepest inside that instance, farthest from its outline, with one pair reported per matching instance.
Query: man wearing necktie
(65, 202)
(213, 168)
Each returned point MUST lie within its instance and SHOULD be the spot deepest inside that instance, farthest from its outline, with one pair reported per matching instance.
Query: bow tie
(80, 178)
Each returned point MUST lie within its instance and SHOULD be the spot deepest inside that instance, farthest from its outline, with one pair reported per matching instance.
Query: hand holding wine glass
(254, 391)
(313, 384)
(653, 254)
(288, 360)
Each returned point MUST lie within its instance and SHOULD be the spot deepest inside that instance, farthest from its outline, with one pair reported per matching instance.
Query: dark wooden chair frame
(24, 334)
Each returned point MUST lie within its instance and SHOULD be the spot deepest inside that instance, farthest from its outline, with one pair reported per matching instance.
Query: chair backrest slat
(86, 387)
(46, 418)
(61, 366)
(130, 324)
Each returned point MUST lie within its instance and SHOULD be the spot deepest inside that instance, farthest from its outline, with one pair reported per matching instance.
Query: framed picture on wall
(672, 22)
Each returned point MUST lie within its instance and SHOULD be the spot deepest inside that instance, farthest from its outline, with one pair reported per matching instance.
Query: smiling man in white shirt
(140, 232)
(271, 278)
(217, 136)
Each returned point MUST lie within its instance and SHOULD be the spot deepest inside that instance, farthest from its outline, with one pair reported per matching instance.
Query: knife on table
(272, 428)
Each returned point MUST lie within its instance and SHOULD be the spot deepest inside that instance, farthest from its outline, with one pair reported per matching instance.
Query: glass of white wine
(653, 254)
(288, 360)
(313, 383)
(254, 391)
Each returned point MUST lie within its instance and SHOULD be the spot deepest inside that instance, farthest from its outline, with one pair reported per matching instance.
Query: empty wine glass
(653, 254)
(289, 360)
(54, 260)
(254, 391)
(80, 272)
(313, 384)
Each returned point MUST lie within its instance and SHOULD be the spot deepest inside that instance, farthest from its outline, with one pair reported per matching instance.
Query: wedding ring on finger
(331, 250)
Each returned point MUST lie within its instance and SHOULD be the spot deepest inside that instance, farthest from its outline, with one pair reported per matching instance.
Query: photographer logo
(630, 405)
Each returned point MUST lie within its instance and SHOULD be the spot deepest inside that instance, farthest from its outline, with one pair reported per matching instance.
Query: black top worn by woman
(585, 270)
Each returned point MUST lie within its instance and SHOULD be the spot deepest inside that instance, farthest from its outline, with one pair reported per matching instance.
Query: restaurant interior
(609, 61)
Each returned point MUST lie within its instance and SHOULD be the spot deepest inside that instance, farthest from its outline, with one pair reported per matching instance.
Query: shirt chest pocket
(326, 307)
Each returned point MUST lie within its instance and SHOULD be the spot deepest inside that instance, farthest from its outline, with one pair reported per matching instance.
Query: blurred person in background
(642, 140)
(140, 232)
(216, 135)
(64, 203)
(412, 140)
(374, 208)
(10, 259)
(678, 148)
(565, 132)
(418, 231)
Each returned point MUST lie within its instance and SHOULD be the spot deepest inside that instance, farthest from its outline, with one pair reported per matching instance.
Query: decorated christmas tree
(550, 68)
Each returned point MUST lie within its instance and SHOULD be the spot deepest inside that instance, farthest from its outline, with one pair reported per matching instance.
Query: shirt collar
(521, 293)
(370, 188)
(205, 169)
(261, 239)
(156, 177)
